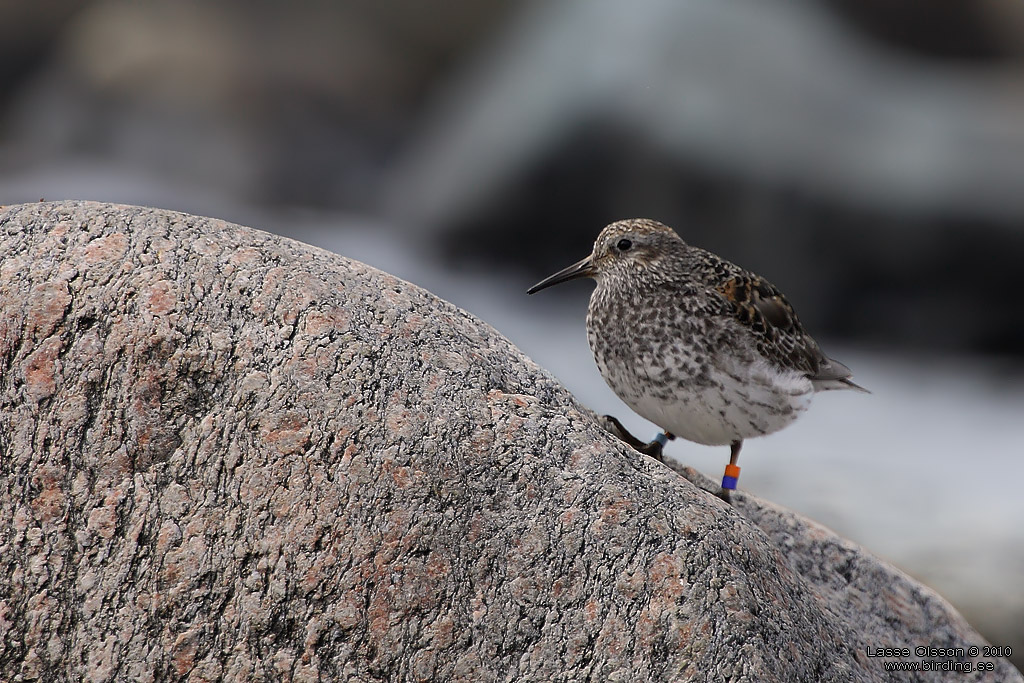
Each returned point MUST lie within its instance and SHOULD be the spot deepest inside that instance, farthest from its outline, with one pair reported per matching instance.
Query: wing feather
(778, 334)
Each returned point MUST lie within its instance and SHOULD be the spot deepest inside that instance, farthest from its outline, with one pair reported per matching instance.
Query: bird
(706, 350)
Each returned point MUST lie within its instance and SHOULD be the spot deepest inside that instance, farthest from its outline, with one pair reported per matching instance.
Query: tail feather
(833, 375)
(833, 384)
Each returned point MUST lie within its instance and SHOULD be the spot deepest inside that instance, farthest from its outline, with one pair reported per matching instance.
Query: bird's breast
(690, 378)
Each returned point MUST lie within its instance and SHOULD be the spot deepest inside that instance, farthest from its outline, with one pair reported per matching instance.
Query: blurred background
(867, 156)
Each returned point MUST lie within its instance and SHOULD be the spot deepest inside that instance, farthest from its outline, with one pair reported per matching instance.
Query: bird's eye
(624, 245)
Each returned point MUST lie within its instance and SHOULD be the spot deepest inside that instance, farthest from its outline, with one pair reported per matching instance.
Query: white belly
(737, 404)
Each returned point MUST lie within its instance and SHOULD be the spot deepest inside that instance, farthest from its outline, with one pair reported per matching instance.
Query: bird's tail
(833, 384)
(834, 375)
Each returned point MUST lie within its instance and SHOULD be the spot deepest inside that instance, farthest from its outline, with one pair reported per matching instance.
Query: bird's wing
(758, 305)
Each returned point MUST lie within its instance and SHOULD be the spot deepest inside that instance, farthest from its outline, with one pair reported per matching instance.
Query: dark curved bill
(581, 268)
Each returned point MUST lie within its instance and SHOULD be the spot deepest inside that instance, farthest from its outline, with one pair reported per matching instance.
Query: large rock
(229, 455)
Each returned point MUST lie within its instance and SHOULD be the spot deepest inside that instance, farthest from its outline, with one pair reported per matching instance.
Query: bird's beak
(582, 268)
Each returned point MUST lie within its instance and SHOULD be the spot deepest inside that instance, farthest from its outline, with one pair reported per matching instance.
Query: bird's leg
(652, 449)
(732, 471)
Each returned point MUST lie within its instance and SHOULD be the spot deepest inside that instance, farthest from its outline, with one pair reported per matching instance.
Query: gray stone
(229, 455)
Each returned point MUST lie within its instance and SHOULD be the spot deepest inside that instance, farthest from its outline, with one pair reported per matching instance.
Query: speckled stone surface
(229, 455)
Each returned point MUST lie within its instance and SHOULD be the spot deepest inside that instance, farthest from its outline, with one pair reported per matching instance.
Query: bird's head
(625, 247)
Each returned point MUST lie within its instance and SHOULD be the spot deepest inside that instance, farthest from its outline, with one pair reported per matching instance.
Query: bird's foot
(618, 430)
(653, 448)
(724, 495)
(656, 447)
